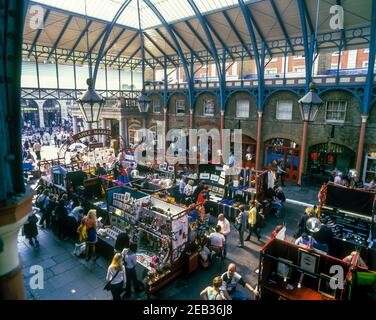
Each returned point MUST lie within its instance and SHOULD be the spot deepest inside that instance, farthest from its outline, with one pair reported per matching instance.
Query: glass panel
(180, 106)
(208, 107)
(284, 110)
(172, 10)
(242, 109)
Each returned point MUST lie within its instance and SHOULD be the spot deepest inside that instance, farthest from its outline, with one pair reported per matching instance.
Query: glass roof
(171, 10)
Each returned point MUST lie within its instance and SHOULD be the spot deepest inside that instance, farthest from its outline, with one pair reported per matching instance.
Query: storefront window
(324, 158)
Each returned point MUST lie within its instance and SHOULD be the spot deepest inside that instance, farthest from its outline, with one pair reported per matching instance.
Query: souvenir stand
(290, 272)
(90, 190)
(159, 228)
(228, 191)
(350, 215)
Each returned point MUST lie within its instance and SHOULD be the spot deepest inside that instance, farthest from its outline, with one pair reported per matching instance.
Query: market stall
(290, 272)
(350, 215)
(159, 228)
(228, 190)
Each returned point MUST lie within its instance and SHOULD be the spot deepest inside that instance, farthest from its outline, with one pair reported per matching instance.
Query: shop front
(30, 113)
(284, 153)
(325, 157)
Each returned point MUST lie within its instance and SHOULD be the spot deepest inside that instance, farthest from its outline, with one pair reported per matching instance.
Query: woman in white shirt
(116, 274)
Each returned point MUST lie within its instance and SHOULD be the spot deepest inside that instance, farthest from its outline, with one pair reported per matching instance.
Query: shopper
(241, 225)
(43, 203)
(37, 149)
(278, 202)
(130, 263)
(215, 292)
(252, 221)
(230, 281)
(350, 259)
(91, 227)
(116, 276)
(305, 241)
(30, 230)
(302, 225)
(100, 170)
(197, 191)
(217, 240)
(61, 215)
(122, 242)
(225, 230)
(324, 236)
(182, 185)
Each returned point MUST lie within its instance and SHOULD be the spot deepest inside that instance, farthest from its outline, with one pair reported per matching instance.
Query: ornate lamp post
(309, 108)
(91, 104)
(143, 103)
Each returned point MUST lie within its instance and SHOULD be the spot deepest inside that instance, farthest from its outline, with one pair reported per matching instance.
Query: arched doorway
(284, 151)
(30, 113)
(325, 157)
(52, 113)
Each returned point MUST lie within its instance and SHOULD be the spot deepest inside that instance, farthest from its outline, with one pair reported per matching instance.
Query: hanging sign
(92, 132)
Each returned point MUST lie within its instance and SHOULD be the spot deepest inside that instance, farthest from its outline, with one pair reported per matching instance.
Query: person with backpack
(43, 203)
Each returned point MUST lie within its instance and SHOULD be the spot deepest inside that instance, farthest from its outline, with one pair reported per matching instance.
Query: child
(30, 230)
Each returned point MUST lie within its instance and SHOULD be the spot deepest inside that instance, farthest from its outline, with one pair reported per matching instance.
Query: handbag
(108, 284)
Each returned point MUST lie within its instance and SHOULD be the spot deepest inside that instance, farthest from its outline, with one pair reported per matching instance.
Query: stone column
(12, 218)
(122, 132)
(40, 111)
(359, 157)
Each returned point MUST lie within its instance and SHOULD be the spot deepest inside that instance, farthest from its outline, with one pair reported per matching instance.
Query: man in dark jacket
(324, 236)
